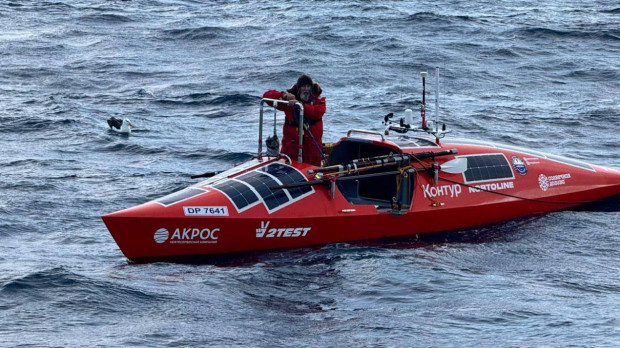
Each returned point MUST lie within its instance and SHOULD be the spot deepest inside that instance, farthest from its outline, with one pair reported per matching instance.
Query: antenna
(405, 126)
(423, 107)
(437, 99)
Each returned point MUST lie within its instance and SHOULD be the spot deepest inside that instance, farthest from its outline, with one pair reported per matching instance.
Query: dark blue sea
(189, 74)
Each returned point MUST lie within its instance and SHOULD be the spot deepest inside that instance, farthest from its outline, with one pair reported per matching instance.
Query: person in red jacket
(308, 93)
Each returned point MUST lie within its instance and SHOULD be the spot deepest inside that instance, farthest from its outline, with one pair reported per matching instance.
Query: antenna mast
(437, 99)
(405, 124)
(423, 107)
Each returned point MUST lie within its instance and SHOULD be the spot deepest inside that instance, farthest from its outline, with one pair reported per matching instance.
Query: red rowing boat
(371, 187)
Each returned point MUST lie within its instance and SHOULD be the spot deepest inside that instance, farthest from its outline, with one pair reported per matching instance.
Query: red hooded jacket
(313, 116)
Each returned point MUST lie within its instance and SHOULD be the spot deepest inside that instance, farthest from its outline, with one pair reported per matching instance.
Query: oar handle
(429, 154)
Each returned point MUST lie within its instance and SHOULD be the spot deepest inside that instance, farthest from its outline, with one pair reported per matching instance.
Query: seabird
(120, 126)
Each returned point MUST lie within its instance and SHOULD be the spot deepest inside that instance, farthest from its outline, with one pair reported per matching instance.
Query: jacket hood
(316, 90)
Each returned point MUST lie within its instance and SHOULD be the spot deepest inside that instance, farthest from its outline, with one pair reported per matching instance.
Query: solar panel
(261, 183)
(254, 187)
(288, 175)
(487, 167)
(238, 193)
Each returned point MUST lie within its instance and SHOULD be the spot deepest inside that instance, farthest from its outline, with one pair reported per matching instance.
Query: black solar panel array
(487, 167)
(262, 183)
(239, 193)
(288, 175)
(241, 189)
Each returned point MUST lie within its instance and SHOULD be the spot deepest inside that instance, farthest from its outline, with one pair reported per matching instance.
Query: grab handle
(365, 132)
(260, 125)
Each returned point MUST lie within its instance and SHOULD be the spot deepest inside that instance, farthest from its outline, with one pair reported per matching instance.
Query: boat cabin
(387, 192)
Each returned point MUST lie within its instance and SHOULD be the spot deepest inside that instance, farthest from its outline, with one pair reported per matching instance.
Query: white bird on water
(120, 126)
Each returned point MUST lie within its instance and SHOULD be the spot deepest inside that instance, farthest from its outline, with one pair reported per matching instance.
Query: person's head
(304, 87)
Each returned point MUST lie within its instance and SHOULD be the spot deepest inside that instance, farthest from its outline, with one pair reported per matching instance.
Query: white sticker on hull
(441, 191)
(546, 182)
(206, 211)
(289, 232)
(161, 235)
(519, 165)
(187, 235)
(492, 187)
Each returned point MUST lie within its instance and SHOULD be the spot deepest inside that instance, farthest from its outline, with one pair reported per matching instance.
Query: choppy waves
(190, 76)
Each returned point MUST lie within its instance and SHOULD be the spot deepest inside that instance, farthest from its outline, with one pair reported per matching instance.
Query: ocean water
(189, 74)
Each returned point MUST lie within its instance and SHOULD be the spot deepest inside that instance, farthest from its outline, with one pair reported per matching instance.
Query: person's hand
(292, 102)
(289, 96)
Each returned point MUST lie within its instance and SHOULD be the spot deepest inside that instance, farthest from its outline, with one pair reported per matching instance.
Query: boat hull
(217, 217)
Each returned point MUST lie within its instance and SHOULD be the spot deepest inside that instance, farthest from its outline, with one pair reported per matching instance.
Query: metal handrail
(260, 126)
(365, 132)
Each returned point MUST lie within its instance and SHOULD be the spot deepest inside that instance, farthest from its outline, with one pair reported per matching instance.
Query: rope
(306, 127)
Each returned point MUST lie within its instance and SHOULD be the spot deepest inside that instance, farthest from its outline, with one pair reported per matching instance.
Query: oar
(400, 159)
(325, 180)
(359, 164)
(455, 166)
